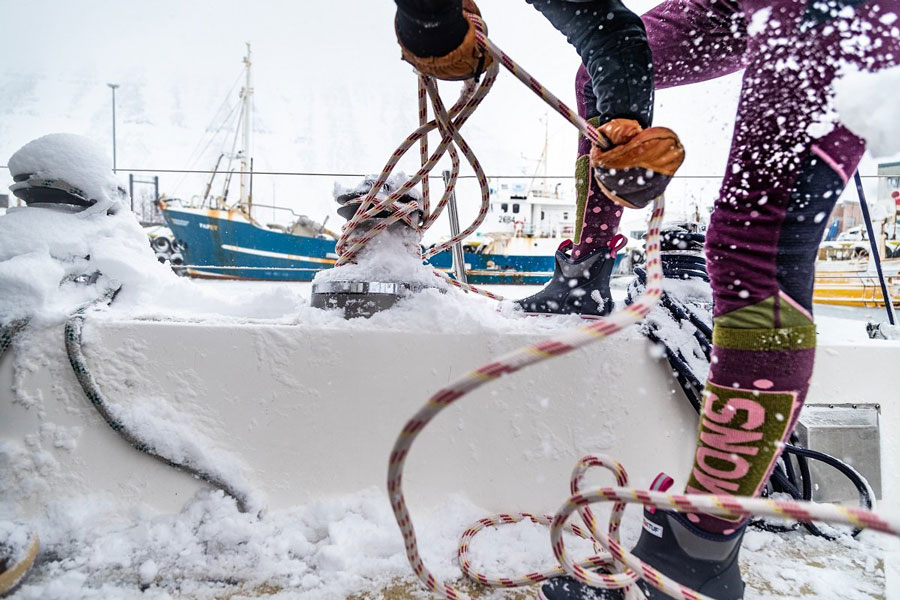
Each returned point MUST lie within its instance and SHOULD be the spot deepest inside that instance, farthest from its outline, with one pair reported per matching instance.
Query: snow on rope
(626, 568)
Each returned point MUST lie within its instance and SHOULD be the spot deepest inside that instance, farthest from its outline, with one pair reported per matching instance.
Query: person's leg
(596, 216)
(779, 187)
(612, 44)
(580, 283)
(614, 90)
(695, 40)
(690, 41)
(778, 190)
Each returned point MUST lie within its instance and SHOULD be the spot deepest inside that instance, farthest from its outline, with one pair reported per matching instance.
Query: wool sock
(596, 216)
(761, 365)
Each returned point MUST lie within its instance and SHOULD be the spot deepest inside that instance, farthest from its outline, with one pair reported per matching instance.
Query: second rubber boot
(706, 563)
(579, 286)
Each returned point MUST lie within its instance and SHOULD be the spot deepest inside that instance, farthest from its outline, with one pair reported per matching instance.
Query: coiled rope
(448, 123)
(627, 569)
(88, 384)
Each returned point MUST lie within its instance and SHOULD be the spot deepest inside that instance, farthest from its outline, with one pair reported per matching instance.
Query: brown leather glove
(468, 60)
(639, 165)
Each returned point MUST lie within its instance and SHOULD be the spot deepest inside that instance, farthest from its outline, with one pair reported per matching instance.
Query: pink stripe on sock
(831, 163)
(794, 303)
(662, 483)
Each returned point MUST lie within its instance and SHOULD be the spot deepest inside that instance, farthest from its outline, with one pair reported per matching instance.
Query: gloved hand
(638, 164)
(466, 61)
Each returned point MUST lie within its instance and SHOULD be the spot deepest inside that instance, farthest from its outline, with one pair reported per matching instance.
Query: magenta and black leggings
(788, 163)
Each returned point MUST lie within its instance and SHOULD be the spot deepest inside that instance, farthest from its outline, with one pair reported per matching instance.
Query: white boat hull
(310, 413)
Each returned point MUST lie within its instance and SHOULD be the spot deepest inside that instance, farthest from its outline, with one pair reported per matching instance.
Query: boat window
(504, 207)
(893, 182)
(516, 208)
(565, 216)
(542, 215)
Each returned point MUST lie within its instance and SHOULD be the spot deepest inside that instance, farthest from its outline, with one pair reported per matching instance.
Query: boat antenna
(227, 185)
(247, 125)
(211, 178)
(542, 162)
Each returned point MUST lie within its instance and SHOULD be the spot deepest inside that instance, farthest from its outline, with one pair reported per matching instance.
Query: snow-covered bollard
(47, 253)
(389, 267)
(65, 171)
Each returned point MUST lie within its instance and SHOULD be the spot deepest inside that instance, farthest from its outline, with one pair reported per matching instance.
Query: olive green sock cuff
(582, 186)
(784, 338)
(775, 323)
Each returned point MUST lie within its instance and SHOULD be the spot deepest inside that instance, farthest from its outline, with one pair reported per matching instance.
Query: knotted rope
(625, 568)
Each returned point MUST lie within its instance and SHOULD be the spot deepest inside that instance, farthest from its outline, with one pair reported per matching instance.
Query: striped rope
(624, 568)
(505, 365)
(356, 233)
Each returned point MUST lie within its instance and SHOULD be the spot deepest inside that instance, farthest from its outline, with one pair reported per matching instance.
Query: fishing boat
(224, 238)
(846, 274)
(221, 238)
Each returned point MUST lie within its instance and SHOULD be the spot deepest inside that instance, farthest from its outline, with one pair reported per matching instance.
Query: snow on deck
(350, 547)
(342, 546)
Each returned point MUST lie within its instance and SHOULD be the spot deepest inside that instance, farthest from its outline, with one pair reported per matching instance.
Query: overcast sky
(331, 94)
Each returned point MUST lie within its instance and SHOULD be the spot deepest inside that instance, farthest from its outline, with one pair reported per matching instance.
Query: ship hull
(855, 283)
(222, 244)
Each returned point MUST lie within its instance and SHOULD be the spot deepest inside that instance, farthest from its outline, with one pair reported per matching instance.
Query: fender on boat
(309, 413)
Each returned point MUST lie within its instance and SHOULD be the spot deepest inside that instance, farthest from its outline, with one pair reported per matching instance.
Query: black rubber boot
(578, 286)
(704, 562)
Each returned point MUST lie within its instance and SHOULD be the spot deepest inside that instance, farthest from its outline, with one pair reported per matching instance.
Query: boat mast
(541, 167)
(544, 153)
(247, 124)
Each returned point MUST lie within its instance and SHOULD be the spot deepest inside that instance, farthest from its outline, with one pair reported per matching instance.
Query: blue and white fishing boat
(225, 242)
(516, 244)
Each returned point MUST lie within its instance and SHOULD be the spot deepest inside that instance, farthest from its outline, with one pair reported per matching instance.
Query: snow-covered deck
(308, 414)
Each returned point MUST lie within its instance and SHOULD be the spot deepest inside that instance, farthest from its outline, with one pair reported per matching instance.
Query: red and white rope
(448, 124)
(625, 569)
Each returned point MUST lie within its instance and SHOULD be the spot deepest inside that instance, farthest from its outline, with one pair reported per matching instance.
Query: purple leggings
(785, 171)
(786, 92)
